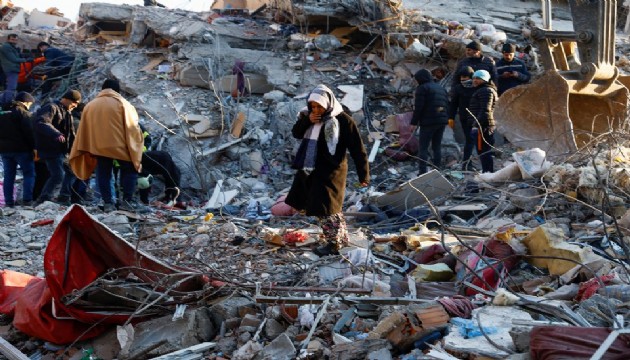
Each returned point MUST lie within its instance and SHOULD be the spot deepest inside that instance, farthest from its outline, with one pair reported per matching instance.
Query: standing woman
(481, 116)
(318, 188)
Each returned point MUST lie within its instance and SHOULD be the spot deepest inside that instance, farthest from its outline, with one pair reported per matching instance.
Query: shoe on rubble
(132, 206)
(108, 207)
(325, 250)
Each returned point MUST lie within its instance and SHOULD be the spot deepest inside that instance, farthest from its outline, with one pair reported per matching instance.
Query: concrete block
(227, 309)
(250, 320)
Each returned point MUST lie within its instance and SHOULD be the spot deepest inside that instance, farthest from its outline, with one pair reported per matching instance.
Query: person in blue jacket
(57, 65)
(512, 71)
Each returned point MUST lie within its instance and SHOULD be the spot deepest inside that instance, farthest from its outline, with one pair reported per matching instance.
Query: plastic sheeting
(80, 251)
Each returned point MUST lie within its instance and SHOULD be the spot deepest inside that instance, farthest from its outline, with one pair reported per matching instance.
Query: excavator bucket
(580, 96)
(551, 115)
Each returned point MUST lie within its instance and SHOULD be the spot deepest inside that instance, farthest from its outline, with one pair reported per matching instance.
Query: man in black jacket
(430, 114)
(16, 148)
(460, 99)
(481, 116)
(54, 135)
(477, 61)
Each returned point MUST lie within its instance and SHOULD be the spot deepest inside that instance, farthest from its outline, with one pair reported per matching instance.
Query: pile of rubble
(529, 261)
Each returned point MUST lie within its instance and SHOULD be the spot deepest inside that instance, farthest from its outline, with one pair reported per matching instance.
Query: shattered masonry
(528, 262)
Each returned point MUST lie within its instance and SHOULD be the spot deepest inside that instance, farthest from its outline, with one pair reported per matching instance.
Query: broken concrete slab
(499, 317)
(416, 192)
(353, 97)
(193, 328)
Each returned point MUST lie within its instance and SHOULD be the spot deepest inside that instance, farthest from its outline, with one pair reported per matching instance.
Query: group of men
(108, 133)
(475, 89)
(53, 63)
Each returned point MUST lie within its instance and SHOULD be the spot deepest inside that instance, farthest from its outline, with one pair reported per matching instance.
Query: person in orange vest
(26, 76)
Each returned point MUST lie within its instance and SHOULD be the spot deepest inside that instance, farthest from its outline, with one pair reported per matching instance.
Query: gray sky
(70, 8)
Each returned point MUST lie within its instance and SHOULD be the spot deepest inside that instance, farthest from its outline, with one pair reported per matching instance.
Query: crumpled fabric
(457, 306)
(590, 287)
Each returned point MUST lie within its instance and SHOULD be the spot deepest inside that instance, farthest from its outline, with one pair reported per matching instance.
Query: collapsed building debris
(449, 264)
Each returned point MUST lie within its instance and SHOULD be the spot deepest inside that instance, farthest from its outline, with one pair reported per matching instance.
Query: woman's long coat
(321, 192)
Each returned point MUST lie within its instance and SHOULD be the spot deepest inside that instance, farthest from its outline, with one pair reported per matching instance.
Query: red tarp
(91, 249)
(571, 342)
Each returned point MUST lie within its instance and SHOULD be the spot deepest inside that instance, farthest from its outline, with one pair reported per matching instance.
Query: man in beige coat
(109, 131)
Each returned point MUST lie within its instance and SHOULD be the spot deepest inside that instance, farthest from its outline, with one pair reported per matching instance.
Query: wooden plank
(204, 135)
(237, 125)
(153, 63)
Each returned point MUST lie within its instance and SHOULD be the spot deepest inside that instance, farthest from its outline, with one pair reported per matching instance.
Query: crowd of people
(475, 88)
(60, 146)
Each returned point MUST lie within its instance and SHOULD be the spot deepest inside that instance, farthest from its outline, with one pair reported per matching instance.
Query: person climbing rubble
(57, 65)
(318, 188)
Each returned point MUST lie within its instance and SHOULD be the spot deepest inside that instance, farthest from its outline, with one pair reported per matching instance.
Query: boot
(325, 250)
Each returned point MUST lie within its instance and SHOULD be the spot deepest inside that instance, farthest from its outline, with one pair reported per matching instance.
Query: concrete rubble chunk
(358, 349)
(193, 328)
(254, 288)
(227, 309)
(280, 348)
(499, 317)
(548, 241)
(273, 328)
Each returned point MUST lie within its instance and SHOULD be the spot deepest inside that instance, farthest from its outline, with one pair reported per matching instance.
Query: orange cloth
(109, 128)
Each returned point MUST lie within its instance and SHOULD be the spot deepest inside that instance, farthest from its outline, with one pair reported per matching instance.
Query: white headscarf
(322, 95)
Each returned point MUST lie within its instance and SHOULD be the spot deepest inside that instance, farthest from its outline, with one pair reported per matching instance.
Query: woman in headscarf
(327, 133)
